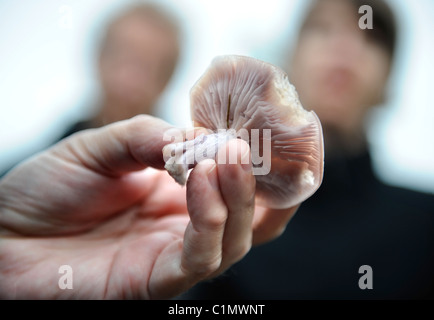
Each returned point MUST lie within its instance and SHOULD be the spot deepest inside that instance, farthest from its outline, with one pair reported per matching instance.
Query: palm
(117, 248)
(125, 232)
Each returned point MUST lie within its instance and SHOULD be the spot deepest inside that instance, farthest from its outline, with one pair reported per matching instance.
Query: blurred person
(137, 57)
(355, 238)
(87, 204)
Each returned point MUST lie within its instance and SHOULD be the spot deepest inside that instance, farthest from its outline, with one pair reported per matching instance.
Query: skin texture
(126, 232)
(340, 73)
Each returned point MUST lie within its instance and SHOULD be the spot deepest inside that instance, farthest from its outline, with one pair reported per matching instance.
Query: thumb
(118, 148)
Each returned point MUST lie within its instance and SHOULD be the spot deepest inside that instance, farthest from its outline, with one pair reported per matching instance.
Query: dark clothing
(352, 220)
(78, 126)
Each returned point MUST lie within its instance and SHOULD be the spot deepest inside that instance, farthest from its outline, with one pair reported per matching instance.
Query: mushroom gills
(240, 94)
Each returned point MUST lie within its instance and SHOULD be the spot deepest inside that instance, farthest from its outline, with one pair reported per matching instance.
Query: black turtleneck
(352, 220)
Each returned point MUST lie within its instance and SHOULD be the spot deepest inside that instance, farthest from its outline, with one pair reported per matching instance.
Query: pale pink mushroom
(238, 92)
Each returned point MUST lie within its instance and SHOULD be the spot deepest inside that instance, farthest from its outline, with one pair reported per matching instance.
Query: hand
(126, 231)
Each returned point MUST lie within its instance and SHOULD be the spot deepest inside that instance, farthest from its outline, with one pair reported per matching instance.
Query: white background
(47, 77)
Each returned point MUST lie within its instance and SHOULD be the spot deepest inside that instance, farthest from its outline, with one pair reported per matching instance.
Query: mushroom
(242, 97)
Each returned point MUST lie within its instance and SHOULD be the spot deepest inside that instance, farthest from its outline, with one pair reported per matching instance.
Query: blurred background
(48, 59)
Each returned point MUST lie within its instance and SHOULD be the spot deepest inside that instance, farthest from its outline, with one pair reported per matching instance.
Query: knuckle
(201, 269)
(215, 221)
(141, 118)
(139, 121)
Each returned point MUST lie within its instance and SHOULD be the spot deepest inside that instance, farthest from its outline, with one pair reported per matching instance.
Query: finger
(237, 186)
(121, 147)
(208, 214)
(181, 265)
(268, 224)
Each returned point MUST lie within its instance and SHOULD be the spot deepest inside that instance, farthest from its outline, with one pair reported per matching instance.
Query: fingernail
(212, 174)
(245, 158)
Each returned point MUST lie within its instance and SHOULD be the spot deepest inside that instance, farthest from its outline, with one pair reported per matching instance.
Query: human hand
(95, 203)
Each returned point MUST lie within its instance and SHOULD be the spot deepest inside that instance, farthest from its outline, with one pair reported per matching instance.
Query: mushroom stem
(185, 155)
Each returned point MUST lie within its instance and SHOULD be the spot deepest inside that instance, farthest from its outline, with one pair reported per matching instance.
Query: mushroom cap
(238, 92)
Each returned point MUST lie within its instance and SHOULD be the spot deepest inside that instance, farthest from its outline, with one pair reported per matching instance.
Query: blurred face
(337, 70)
(134, 65)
